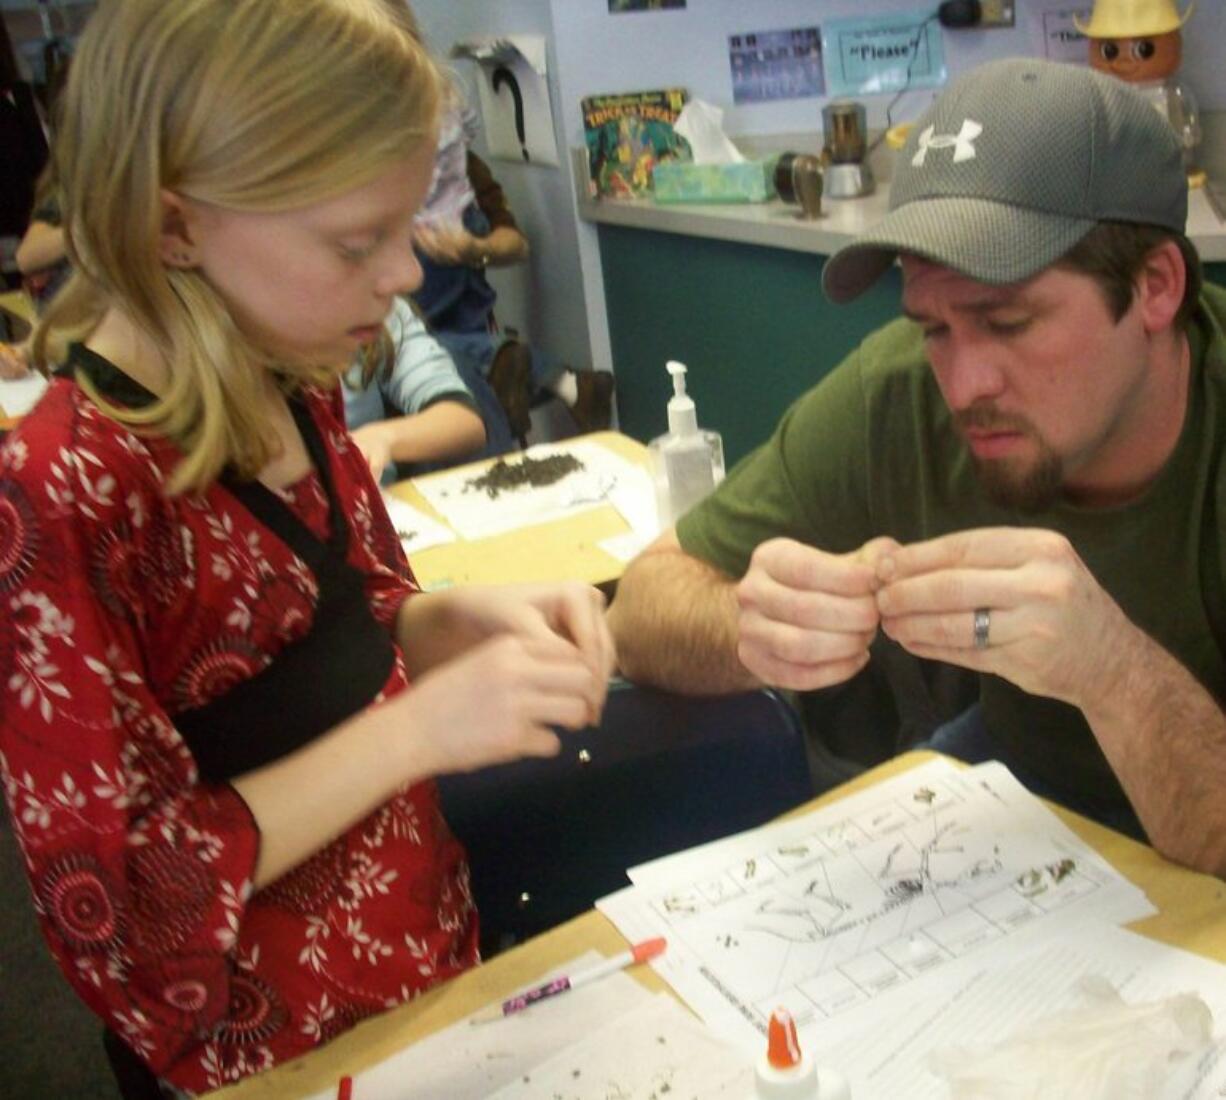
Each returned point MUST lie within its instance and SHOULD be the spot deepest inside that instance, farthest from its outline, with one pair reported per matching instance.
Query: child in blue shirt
(413, 412)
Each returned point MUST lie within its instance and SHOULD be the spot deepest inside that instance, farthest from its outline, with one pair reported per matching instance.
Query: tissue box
(746, 181)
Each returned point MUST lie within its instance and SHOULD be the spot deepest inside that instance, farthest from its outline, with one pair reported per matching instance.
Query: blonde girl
(220, 707)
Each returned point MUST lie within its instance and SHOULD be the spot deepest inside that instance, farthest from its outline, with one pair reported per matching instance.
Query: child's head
(402, 12)
(233, 108)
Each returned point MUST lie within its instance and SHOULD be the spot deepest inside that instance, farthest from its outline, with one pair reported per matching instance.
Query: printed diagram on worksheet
(826, 912)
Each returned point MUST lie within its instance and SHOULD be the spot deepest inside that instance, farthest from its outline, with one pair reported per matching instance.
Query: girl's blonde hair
(250, 105)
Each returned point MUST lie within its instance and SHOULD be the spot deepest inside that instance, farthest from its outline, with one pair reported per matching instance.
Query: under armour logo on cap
(963, 142)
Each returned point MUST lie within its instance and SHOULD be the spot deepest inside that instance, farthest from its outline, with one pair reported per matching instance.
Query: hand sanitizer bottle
(785, 1073)
(688, 462)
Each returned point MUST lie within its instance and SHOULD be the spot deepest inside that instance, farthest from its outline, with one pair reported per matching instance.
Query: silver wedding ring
(983, 623)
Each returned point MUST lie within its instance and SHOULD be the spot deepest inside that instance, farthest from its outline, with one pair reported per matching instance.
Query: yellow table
(17, 303)
(1191, 914)
(566, 549)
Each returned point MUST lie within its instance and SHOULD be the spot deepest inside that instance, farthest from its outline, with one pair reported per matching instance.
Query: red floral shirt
(120, 607)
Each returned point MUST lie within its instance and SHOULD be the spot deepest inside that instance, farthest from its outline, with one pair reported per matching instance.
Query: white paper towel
(702, 125)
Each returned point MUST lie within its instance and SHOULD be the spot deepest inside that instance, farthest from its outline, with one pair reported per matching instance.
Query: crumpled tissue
(1104, 1050)
(702, 125)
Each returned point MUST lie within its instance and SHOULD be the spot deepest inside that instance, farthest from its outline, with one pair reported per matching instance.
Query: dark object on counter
(798, 179)
(960, 13)
(845, 150)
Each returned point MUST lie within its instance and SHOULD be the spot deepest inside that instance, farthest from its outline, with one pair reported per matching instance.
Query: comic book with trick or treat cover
(627, 135)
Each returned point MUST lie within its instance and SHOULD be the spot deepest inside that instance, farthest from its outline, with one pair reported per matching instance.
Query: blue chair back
(661, 772)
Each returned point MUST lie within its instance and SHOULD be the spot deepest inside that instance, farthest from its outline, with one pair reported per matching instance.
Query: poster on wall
(1054, 33)
(513, 88)
(770, 65)
(616, 7)
(884, 53)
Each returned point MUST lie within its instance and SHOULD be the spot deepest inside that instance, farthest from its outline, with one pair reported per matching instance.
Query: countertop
(776, 225)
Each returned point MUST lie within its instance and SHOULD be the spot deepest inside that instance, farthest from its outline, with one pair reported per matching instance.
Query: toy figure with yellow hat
(1141, 41)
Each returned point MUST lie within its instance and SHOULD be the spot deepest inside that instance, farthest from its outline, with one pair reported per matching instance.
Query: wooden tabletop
(1191, 914)
(566, 549)
(17, 302)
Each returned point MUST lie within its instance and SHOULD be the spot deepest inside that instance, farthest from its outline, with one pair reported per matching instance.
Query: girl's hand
(448, 243)
(498, 702)
(440, 626)
(376, 447)
(13, 362)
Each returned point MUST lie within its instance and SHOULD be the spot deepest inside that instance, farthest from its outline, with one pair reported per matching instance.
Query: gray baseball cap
(1011, 167)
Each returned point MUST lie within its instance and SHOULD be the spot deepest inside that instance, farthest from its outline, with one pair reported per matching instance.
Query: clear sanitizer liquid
(687, 462)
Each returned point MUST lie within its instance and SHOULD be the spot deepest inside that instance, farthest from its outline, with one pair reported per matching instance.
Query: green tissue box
(748, 181)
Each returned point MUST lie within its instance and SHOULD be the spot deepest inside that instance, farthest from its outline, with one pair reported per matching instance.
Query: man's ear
(1160, 286)
(177, 240)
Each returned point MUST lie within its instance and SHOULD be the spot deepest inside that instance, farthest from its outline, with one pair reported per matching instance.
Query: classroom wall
(689, 47)
(543, 299)
(594, 52)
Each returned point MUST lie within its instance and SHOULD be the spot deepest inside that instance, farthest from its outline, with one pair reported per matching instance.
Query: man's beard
(1023, 487)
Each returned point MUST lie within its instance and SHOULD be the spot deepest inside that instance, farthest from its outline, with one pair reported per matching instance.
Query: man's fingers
(796, 645)
(820, 611)
(805, 569)
(983, 548)
(951, 590)
(952, 630)
(800, 677)
(874, 550)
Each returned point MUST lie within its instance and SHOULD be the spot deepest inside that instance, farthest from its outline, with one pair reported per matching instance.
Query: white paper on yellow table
(611, 1026)
(416, 530)
(19, 395)
(602, 478)
(653, 1052)
(984, 998)
(843, 906)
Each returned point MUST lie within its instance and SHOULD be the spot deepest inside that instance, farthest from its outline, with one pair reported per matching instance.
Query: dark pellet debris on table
(506, 476)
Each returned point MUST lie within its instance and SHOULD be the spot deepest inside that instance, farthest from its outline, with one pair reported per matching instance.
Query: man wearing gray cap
(1021, 478)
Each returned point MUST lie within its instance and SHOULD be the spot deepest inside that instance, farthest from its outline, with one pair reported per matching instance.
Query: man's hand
(1053, 630)
(807, 617)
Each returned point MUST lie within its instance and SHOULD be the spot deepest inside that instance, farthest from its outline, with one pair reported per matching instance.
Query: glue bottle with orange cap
(785, 1072)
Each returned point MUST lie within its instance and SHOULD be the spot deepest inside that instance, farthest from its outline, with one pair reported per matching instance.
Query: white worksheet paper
(416, 530)
(983, 999)
(470, 1061)
(19, 395)
(838, 908)
(604, 478)
(655, 1052)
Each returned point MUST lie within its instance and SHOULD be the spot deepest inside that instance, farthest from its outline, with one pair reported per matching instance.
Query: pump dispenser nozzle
(688, 462)
(682, 415)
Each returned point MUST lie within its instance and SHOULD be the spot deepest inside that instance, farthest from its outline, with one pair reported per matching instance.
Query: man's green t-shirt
(871, 450)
